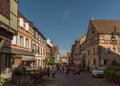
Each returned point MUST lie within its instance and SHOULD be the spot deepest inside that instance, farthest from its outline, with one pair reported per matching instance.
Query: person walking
(78, 69)
(53, 72)
(73, 71)
(48, 72)
(67, 70)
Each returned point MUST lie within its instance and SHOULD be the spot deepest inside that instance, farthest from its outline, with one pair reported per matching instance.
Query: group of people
(51, 71)
(73, 70)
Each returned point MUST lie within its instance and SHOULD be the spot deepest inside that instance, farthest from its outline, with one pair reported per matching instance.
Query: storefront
(27, 57)
(5, 57)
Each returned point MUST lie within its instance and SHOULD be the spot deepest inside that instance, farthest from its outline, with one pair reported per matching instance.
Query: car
(98, 72)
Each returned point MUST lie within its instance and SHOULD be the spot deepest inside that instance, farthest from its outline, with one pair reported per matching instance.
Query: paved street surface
(85, 79)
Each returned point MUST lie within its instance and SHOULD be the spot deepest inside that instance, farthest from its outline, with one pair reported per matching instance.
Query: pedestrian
(67, 70)
(73, 71)
(48, 72)
(63, 69)
(78, 70)
(53, 72)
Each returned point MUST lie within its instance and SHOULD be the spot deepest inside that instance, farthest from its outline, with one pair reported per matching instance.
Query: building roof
(106, 26)
(35, 28)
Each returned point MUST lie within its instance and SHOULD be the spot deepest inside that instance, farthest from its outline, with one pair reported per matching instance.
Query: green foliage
(112, 75)
(46, 61)
(1, 80)
(20, 70)
(50, 60)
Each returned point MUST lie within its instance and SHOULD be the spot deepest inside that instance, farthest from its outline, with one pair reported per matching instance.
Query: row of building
(19, 38)
(100, 46)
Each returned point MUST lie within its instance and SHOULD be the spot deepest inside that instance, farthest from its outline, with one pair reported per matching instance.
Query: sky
(64, 21)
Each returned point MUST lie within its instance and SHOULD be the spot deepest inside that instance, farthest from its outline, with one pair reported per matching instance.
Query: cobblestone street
(85, 79)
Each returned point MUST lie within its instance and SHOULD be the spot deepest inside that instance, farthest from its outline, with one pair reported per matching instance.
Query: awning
(28, 58)
(22, 52)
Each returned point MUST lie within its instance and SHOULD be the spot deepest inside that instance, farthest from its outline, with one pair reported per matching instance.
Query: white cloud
(65, 15)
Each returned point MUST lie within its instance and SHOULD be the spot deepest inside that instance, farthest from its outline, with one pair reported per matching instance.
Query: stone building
(21, 43)
(38, 47)
(78, 51)
(102, 43)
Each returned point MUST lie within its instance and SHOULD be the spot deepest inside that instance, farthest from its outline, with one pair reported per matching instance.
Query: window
(119, 50)
(114, 49)
(93, 32)
(36, 34)
(94, 62)
(21, 23)
(27, 26)
(18, 39)
(94, 51)
(34, 47)
(107, 39)
(108, 50)
(38, 49)
(21, 41)
(88, 62)
(88, 52)
(27, 43)
(103, 62)
(5, 8)
(14, 40)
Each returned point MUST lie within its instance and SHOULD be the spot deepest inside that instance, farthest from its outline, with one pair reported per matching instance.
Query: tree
(50, 59)
(46, 61)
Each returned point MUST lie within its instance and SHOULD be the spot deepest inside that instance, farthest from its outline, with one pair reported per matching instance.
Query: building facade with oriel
(8, 28)
(38, 47)
(102, 43)
(21, 43)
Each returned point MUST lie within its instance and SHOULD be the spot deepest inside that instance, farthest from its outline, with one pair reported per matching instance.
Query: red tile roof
(106, 26)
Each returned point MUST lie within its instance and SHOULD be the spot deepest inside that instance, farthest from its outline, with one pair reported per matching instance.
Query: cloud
(66, 14)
